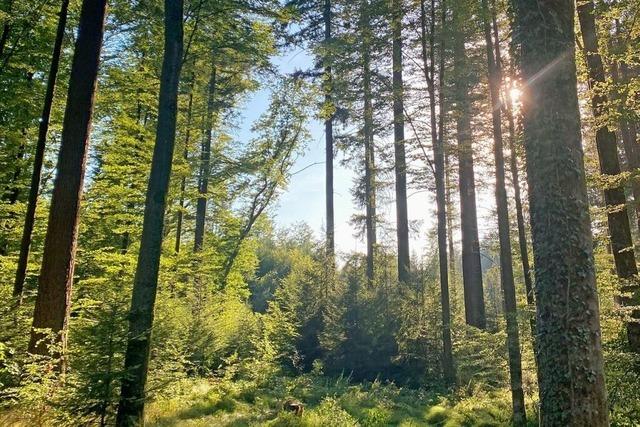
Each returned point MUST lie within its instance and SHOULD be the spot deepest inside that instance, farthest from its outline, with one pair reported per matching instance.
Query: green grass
(328, 402)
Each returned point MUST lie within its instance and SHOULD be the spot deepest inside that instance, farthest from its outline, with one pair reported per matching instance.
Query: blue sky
(304, 199)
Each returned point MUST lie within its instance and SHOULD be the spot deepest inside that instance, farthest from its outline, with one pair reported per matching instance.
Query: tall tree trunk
(369, 149)
(522, 235)
(205, 165)
(34, 189)
(620, 76)
(632, 153)
(328, 131)
(471, 265)
(185, 156)
(570, 371)
(400, 166)
(136, 364)
(13, 190)
(56, 276)
(6, 29)
(615, 200)
(506, 262)
(438, 156)
(515, 177)
(449, 204)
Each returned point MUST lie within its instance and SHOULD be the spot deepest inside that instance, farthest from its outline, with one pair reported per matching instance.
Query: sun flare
(515, 94)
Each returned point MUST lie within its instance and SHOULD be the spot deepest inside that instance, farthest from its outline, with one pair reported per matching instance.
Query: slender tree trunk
(328, 131)
(471, 265)
(205, 166)
(449, 204)
(441, 136)
(30, 216)
(506, 262)
(369, 149)
(620, 76)
(438, 156)
(183, 182)
(56, 276)
(515, 177)
(402, 219)
(136, 364)
(6, 30)
(522, 235)
(570, 370)
(13, 192)
(615, 200)
(632, 154)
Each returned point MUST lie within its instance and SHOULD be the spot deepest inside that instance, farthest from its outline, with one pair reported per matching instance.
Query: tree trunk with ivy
(570, 371)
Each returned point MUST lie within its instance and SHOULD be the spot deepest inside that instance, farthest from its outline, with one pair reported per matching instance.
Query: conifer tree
(400, 162)
(53, 301)
(506, 262)
(471, 265)
(38, 160)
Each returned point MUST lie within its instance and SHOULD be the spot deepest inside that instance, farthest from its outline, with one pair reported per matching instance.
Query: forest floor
(328, 402)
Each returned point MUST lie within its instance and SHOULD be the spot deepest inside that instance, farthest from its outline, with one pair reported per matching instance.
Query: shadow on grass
(336, 404)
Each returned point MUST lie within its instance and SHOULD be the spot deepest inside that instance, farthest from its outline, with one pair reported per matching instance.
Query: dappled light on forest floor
(328, 402)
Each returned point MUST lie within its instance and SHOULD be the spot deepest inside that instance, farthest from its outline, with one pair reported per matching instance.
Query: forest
(148, 153)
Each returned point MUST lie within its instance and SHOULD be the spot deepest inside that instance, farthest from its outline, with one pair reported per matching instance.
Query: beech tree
(615, 199)
(136, 365)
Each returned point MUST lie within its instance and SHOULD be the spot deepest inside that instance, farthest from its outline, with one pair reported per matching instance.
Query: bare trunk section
(400, 166)
(56, 276)
(628, 132)
(183, 181)
(136, 364)
(6, 30)
(632, 154)
(515, 177)
(522, 235)
(34, 189)
(615, 200)
(506, 261)
(205, 165)
(328, 131)
(437, 140)
(449, 204)
(570, 369)
(369, 148)
(471, 265)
